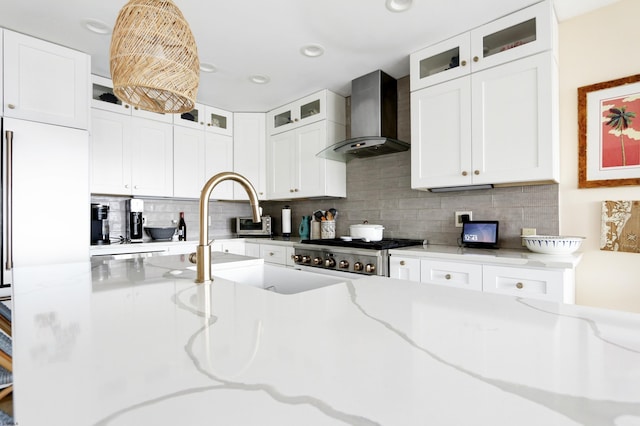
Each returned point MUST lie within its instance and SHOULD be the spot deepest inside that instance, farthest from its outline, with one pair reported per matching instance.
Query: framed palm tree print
(609, 133)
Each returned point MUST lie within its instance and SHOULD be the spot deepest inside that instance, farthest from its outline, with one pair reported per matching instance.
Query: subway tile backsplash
(379, 190)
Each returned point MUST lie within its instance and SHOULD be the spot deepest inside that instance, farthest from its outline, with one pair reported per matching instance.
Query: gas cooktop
(384, 244)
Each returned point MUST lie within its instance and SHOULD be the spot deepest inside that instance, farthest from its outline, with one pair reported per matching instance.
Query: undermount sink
(276, 278)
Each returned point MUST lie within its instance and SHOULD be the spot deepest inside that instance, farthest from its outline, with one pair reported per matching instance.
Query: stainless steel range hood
(374, 112)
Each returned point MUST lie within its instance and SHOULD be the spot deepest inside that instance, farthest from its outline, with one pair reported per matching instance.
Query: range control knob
(306, 259)
(370, 269)
(317, 261)
(297, 258)
(358, 266)
(330, 262)
(343, 264)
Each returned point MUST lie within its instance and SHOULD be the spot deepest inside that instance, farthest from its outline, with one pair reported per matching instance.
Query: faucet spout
(203, 251)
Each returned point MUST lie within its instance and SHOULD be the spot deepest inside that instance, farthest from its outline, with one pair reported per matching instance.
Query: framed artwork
(609, 133)
(620, 229)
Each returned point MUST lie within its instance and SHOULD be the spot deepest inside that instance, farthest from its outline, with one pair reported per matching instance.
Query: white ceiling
(247, 37)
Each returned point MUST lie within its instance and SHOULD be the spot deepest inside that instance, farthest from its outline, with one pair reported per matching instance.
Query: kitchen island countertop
(137, 342)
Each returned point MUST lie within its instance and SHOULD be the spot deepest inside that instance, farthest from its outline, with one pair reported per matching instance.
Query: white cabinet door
(219, 158)
(514, 122)
(252, 249)
(281, 165)
(441, 135)
(194, 118)
(45, 82)
(272, 253)
(218, 121)
(102, 96)
(50, 192)
(151, 158)
(249, 152)
(110, 153)
(404, 268)
(451, 274)
(309, 176)
(188, 161)
(440, 62)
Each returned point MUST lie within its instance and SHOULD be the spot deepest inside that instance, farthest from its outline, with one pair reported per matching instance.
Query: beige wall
(596, 47)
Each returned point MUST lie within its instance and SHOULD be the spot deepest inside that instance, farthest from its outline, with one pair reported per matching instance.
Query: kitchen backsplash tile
(379, 190)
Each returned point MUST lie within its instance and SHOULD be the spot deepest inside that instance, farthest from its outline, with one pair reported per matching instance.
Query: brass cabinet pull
(464, 173)
(476, 59)
(463, 63)
(519, 285)
(476, 172)
(11, 106)
(448, 276)
(402, 263)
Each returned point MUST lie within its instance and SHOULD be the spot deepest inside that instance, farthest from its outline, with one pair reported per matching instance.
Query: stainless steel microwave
(246, 227)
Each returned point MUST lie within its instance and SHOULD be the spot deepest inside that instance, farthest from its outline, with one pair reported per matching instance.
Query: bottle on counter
(182, 228)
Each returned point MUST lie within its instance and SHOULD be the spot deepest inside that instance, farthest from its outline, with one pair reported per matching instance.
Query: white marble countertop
(137, 342)
(514, 257)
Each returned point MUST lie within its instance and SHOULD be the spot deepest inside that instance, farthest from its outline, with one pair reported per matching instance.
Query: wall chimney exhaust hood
(374, 112)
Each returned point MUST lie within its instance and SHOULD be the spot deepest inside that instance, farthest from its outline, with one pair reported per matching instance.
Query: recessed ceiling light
(260, 79)
(96, 26)
(398, 5)
(312, 50)
(206, 67)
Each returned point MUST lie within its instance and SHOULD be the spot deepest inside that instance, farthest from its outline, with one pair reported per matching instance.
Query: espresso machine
(135, 208)
(99, 224)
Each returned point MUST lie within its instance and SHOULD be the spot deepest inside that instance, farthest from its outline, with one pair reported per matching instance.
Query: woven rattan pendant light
(154, 58)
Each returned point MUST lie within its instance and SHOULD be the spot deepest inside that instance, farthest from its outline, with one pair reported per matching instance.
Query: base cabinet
(275, 254)
(555, 284)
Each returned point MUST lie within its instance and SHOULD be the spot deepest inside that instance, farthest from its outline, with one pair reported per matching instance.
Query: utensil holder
(328, 229)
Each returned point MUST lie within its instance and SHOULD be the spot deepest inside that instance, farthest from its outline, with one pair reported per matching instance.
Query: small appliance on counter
(245, 227)
(135, 208)
(99, 224)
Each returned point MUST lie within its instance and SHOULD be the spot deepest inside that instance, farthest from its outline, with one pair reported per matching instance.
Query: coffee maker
(135, 209)
(99, 224)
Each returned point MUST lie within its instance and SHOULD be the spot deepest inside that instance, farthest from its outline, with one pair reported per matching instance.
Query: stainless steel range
(353, 257)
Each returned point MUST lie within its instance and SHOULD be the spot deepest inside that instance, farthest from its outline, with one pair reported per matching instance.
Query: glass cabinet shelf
(514, 36)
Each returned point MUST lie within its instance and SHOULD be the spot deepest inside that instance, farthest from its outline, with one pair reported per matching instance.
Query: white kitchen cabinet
(294, 170)
(188, 161)
(233, 246)
(252, 249)
(272, 253)
(194, 119)
(451, 274)
(45, 82)
(500, 127)
(322, 105)
(102, 97)
(130, 155)
(404, 268)
(520, 34)
(1, 70)
(218, 158)
(218, 121)
(543, 284)
(249, 153)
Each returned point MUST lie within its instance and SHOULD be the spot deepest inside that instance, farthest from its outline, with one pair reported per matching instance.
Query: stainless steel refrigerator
(45, 196)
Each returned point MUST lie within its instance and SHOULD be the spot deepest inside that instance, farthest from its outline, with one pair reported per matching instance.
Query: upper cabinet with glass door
(310, 109)
(102, 97)
(511, 37)
(218, 121)
(194, 118)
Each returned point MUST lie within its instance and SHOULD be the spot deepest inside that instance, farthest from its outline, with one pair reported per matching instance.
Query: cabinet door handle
(447, 277)
(519, 285)
(11, 106)
(476, 59)
(291, 190)
(463, 63)
(271, 253)
(126, 106)
(476, 172)
(126, 186)
(464, 173)
(402, 263)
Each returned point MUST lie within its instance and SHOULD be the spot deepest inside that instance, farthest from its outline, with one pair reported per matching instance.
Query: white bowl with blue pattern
(549, 244)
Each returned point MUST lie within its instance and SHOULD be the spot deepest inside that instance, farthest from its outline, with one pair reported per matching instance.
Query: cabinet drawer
(273, 254)
(531, 283)
(452, 274)
(404, 268)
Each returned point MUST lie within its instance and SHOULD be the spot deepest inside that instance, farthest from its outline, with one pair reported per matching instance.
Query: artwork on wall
(609, 133)
(620, 226)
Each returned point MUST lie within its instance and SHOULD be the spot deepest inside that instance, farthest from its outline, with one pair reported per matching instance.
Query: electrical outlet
(458, 218)
(525, 232)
